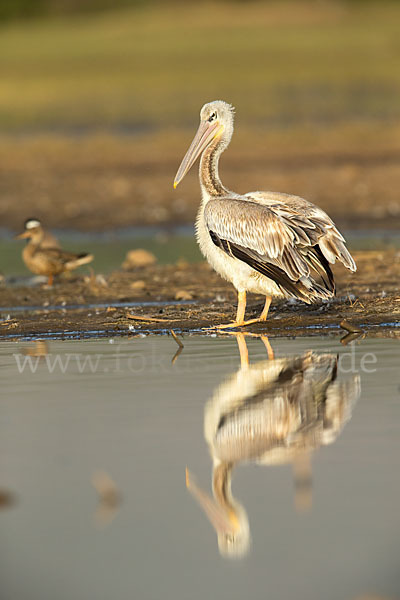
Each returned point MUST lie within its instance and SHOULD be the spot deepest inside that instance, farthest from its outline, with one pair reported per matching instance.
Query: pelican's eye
(212, 117)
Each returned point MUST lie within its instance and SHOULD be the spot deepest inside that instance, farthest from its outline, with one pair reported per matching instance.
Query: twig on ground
(150, 319)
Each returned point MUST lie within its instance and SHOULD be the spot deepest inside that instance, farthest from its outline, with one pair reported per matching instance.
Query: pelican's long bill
(223, 520)
(205, 134)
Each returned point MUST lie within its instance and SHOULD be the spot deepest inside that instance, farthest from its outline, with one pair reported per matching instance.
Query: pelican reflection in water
(273, 412)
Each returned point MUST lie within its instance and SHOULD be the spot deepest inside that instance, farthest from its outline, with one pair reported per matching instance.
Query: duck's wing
(62, 257)
(279, 242)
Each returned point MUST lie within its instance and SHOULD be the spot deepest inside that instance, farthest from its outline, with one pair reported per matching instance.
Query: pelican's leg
(264, 314)
(241, 309)
(262, 317)
(303, 481)
(243, 350)
(240, 322)
(50, 280)
(268, 346)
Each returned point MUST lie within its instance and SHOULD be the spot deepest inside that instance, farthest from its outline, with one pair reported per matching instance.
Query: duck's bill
(204, 136)
(23, 235)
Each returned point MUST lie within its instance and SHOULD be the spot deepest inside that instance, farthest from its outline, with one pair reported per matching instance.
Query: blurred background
(100, 99)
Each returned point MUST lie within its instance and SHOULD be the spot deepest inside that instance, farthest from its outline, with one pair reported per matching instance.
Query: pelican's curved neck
(222, 484)
(209, 176)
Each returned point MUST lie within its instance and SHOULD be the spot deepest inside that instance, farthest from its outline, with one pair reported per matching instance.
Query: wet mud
(191, 298)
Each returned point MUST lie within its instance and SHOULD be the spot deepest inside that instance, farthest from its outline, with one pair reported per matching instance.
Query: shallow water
(124, 408)
(168, 245)
(109, 248)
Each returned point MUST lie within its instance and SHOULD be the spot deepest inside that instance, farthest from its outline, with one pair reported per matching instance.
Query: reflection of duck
(43, 260)
(39, 350)
(109, 498)
(273, 412)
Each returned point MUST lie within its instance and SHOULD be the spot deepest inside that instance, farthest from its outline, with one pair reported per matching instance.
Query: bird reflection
(273, 412)
(7, 499)
(39, 350)
(109, 496)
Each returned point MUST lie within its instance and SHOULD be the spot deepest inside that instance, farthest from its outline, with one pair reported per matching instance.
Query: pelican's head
(32, 229)
(226, 515)
(216, 123)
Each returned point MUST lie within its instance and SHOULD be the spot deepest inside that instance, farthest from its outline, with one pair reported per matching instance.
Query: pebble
(181, 263)
(183, 295)
(138, 285)
(138, 258)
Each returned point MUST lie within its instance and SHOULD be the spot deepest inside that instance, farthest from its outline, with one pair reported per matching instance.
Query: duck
(47, 260)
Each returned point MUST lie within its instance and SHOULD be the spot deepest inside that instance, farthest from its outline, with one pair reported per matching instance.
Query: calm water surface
(313, 446)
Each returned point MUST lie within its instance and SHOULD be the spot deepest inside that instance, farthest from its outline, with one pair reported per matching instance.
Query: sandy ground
(196, 298)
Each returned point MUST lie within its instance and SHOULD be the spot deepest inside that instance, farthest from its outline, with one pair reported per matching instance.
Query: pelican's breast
(241, 275)
(229, 268)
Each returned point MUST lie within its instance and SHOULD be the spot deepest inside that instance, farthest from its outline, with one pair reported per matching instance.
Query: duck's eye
(212, 117)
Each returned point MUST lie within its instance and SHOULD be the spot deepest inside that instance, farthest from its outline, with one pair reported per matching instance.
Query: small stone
(138, 285)
(292, 301)
(183, 295)
(101, 280)
(182, 263)
(138, 258)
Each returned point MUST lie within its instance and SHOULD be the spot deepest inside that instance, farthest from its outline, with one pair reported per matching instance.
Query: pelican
(46, 260)
(273, 412)
(267, 243)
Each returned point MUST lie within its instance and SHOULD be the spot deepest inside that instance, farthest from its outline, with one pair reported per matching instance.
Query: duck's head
(32, 230)
(216, 125)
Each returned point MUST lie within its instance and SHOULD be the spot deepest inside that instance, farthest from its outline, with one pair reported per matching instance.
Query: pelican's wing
(302, 215)
(284, 247)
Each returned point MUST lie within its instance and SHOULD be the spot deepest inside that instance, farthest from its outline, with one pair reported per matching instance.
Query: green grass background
(142, 68)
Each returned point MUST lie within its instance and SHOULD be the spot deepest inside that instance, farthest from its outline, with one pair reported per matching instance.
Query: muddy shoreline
(189, 298)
